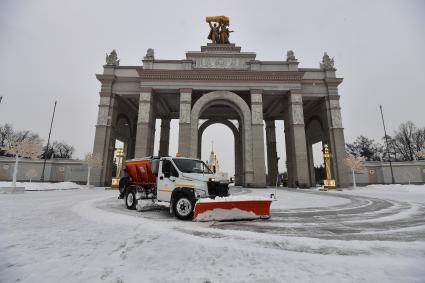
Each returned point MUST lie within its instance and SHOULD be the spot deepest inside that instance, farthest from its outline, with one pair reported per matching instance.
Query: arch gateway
(221, 84)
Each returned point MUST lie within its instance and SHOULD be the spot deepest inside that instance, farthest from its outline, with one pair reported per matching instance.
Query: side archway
(124, 133)
(313, 135)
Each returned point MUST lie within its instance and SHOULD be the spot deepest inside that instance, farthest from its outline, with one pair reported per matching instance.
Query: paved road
(360, 218)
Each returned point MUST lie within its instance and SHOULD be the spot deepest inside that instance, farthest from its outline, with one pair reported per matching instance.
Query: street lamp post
(386, 142)
(48, 143)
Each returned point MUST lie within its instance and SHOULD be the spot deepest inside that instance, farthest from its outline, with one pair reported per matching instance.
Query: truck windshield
(192, 166)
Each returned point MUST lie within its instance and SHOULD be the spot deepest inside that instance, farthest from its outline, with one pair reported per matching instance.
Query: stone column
(296, 148)
(237, 158)
(335, 138)
(145, 124)
(104, 140)
(272, 164)
(164, 140)
(184, 123)
(130, 148)
(257, 126)
(311, 164)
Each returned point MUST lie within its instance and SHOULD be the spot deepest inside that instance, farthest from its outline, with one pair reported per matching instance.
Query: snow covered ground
(34, 186)
(372, 234)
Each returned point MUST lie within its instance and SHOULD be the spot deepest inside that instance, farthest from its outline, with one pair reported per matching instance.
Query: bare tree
(21, 136)
(23, 149)
(92, 162)
(408, 141)
(9, 137)
(60, 150)
(6, 132)
(419, 142)
(404, 140)
(356, 164)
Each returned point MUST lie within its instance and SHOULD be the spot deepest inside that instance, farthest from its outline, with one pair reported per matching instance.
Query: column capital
(106, 79)
(296, 91)
(146, 90)
(106, 94)
(185, 98)
(256, 91)
(185, 90)
(332, 97)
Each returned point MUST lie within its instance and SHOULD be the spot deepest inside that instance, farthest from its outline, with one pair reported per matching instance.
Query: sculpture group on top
(219, 32)
(112, 59)
(328, 63)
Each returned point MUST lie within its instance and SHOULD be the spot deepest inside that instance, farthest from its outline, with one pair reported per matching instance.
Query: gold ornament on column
(329, 183)
(119, 154)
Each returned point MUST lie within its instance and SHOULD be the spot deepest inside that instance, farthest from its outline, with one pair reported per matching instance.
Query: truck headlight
(201, 193)
(211, 179)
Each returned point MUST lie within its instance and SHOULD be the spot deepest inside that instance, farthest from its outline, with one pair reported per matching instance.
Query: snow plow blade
(225, 210)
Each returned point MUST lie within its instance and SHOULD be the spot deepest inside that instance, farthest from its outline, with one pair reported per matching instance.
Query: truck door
(166, 180)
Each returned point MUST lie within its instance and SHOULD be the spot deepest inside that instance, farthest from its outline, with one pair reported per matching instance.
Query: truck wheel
(183, 207)
(124, 182)
(130, 199)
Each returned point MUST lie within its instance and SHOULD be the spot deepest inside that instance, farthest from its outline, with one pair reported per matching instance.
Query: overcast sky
(51, 50)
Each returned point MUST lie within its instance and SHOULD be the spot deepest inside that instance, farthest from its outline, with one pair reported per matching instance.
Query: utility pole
(48, 143)
(386, 142)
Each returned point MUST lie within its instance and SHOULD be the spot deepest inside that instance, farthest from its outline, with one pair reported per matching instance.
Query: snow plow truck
(189, 186)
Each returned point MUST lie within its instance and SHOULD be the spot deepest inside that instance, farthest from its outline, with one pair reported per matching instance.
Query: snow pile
(34, 186)
(219, 214)
(233, 198)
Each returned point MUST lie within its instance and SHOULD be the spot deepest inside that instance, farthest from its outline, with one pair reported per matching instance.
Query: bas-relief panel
(222, 63)
(257, 114)
(297, 115)
(185, 113)
(334, 103)
(102, 116)
(144, 113)
(336, 118)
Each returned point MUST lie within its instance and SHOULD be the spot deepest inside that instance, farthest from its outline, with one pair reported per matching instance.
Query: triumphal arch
(221, 84)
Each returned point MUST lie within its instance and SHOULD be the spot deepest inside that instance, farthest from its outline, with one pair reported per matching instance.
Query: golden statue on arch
(219, 31)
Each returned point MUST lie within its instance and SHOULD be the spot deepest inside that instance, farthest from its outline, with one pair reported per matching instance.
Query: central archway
(237, 142)
(234, 101)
